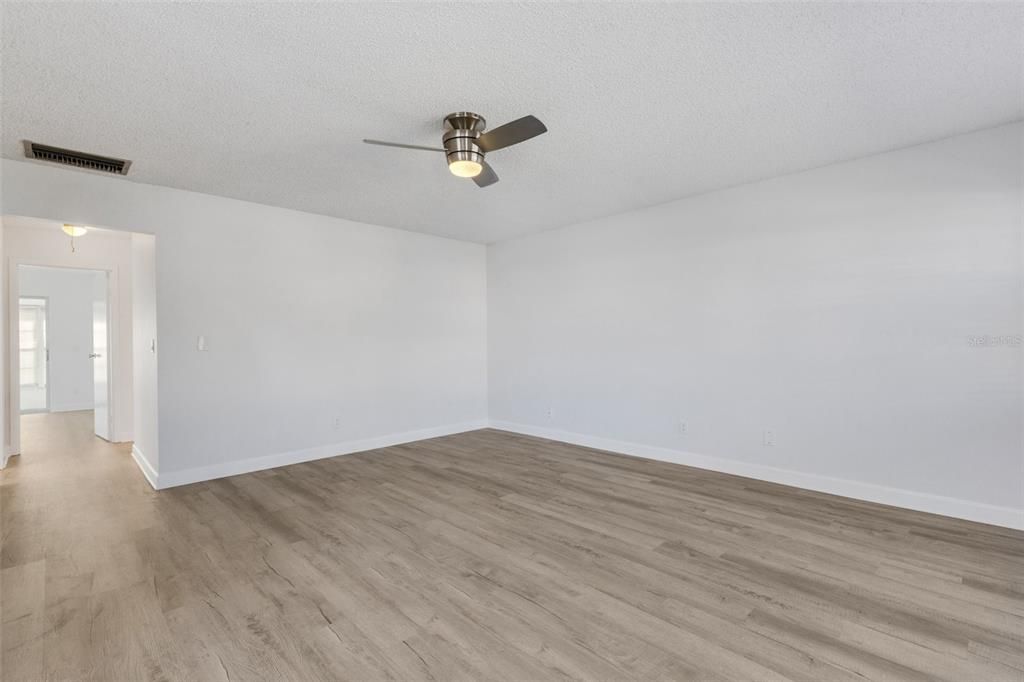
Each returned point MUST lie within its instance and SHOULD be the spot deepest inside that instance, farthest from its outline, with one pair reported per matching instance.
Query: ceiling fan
(466, 143)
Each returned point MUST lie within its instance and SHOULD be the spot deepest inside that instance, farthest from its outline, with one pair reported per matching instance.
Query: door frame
(113, 345)
(110, 359)
(46, 349)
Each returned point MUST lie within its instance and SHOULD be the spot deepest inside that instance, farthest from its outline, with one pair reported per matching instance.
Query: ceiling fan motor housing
(463, 129)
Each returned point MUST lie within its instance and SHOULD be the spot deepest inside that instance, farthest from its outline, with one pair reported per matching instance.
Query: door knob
(94, 355)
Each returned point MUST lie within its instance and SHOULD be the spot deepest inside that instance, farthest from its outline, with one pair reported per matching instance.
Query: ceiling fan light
(74, 230)
(465, 169)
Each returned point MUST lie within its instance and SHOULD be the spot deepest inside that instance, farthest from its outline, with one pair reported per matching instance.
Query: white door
(100, 357)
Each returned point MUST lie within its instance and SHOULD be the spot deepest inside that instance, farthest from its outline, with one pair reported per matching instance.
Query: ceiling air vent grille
(69, 157)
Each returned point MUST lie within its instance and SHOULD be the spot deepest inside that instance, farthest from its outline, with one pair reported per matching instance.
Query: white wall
(324, 335)
(834, 307)
(144, 363)
(5, 435)
(39, 242)
(69, 331)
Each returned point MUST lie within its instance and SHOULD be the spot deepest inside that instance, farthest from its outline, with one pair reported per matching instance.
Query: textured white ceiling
(644, 103)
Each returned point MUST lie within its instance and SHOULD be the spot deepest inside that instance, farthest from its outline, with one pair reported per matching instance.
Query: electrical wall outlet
(682, 428)
(769, 438)
(550, 412)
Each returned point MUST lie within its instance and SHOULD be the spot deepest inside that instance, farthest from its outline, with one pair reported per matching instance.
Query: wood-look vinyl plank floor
(485, 555)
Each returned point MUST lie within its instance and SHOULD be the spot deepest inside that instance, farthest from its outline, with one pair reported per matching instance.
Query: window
(32, 341)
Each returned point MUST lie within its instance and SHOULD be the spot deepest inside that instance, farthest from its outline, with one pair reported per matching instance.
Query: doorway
(101, 378)
(64, 362)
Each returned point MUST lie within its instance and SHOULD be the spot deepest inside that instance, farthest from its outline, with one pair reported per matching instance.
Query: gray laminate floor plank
(485, 555)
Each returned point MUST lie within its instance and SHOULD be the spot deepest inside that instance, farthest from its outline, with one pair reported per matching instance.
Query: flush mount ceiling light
(74, 231)
(465, 143)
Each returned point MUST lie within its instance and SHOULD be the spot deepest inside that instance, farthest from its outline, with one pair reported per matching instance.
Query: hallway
(58, 564)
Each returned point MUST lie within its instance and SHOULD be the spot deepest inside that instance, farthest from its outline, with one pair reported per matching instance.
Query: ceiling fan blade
(403, 146)
(517, 131)
(486, 177)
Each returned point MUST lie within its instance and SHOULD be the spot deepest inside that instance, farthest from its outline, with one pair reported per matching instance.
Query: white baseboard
(870, 492)
(170, 479)
(147, 469)
(121, 437)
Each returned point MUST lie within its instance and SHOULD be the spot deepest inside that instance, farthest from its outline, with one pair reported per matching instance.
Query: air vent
(69, 157)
